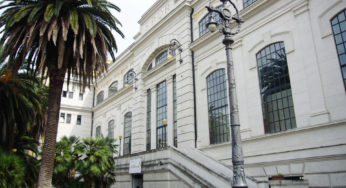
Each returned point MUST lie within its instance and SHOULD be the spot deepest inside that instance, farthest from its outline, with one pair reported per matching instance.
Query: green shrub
(12, 170)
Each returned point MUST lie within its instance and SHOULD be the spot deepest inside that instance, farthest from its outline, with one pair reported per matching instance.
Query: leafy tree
(27, 149)
(58, 37)
(89, 163)
(12, 170)
(20, 104)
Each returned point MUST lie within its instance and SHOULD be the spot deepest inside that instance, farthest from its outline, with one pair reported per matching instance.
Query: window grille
(275, 86)
(339, 32)
(127, 133)
(100, 97)
(175, 121)
(161, 57)
(219, 131)
(161, 112)
(98, 131)
(148, 119)
(113, 88)
(111, 129)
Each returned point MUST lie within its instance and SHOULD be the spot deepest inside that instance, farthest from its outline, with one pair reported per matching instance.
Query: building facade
(169, 111)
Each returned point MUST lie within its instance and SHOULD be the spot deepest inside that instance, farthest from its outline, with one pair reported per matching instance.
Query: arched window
(161, 115)
(100, 97)
(148, 119)
(218, 107)
(127, 133)
(161, 57)
(129, 77)
(247, 3)
(113, 88)
(98, 131)
(202, 24)
(339, 31)
(277, 102)
(111, 129)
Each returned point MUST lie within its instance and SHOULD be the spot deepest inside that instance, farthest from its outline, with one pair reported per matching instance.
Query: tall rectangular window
(64, 94)
(81, 96)
(218, 107)
(161, 114)
(127, 133)
(68, 118)
(175, 129)
(276, 94)
(70, 95)
(98, 131)
(79, 120)
(62, 117)
(148, 119)
(339, 31)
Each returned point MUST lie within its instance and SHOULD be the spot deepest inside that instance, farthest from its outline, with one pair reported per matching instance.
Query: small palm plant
(98, 167)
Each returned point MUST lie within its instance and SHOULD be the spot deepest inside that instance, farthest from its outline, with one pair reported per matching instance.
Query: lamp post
(120, 137)
(135, 79)
(227, 18)
(174, 44)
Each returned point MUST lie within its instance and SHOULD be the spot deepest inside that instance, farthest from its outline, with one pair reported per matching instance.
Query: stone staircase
(189, 165)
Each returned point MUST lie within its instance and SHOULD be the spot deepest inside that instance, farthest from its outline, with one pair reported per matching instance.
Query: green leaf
(74, 21)
(91, 24)
(22, 13)
(58, 5)
(49, 12)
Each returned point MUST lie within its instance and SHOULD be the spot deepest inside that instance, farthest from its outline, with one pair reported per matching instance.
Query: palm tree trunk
(55, 87)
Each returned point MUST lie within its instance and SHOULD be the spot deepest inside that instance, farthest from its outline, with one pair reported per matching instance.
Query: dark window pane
(339, 22)
(98, 131)
(218, 107)
(161, 57)
(247, 3)
(148, 119)
(343, 26)
(100, 97)
(129, 77)
(161, 115)
(341, 17)
(113, 88)
(111, 129)
(275, 88)
(127, 133)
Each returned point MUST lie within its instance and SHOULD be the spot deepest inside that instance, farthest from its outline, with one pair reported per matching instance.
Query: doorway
(137, 181)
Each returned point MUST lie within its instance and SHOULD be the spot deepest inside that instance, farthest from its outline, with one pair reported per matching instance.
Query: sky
(131, 12)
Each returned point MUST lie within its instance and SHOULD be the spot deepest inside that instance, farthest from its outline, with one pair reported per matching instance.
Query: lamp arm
(210, 10)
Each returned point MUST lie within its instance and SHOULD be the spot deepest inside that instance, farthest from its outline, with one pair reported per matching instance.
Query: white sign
(135, 166)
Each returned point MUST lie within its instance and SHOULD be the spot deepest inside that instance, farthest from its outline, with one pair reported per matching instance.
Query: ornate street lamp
(133, 75)
(175, 45)
(227, 19)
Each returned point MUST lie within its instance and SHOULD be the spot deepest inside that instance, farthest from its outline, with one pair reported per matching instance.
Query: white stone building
(172, 116)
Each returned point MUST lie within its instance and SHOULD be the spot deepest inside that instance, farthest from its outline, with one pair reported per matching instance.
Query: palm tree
(58, 37)
(19, 103)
